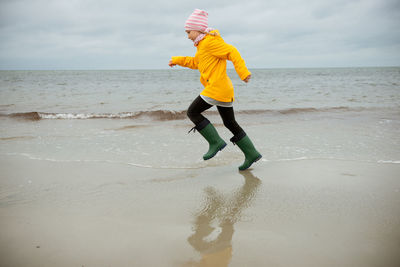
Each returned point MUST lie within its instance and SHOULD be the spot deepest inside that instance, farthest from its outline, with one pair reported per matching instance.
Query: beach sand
(289, 213)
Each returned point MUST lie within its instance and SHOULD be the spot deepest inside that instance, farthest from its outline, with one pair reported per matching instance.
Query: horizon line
(139, 69)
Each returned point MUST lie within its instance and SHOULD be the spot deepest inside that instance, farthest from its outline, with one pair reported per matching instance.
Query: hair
(211, 33)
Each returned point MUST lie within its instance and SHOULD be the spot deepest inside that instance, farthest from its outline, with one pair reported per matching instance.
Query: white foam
(389, 161)
(292, 159)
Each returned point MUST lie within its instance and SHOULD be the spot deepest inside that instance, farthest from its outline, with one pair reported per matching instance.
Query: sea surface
(138, 117)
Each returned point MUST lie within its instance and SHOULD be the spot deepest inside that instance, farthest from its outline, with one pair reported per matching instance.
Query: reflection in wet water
(213, 225)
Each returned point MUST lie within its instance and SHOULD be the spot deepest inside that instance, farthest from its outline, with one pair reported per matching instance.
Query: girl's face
(192, 35)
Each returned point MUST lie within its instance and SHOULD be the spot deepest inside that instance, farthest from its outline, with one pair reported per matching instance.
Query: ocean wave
(164, 115)
(161, 115)
(12, 138)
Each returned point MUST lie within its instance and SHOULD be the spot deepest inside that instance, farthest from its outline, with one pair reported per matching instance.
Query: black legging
(228, 117)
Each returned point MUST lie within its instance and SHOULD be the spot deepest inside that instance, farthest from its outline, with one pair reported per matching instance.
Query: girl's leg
(239, 138)
(196, 108)
(205, 128)
(228, 117)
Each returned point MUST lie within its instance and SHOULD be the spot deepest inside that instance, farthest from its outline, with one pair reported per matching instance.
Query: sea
(138, 117)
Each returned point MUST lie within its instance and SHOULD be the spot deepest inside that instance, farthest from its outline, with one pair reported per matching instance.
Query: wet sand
(292, 213)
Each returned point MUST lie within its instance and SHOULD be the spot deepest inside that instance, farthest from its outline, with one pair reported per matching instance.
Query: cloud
(120, 34)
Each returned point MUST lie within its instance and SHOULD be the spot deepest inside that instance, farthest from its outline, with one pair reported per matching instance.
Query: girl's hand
(247, 79)
(171, 64)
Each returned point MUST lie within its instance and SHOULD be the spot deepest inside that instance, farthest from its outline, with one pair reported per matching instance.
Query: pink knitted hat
(198, 21)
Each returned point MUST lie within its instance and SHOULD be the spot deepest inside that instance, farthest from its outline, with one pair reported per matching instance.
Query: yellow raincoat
(210, 60)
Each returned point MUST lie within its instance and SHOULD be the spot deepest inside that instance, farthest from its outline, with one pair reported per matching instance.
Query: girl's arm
(189, 62)
(218, 48)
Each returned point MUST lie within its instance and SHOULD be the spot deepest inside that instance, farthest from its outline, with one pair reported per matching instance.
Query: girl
(210, 60)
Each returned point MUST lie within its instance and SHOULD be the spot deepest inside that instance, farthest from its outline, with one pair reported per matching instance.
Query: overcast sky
(133, 34)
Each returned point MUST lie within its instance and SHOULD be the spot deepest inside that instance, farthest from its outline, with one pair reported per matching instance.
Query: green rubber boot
(248, 149)
(214, 140)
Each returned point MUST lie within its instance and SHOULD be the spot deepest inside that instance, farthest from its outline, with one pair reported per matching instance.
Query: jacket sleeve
(218, 48)
(188, 62)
